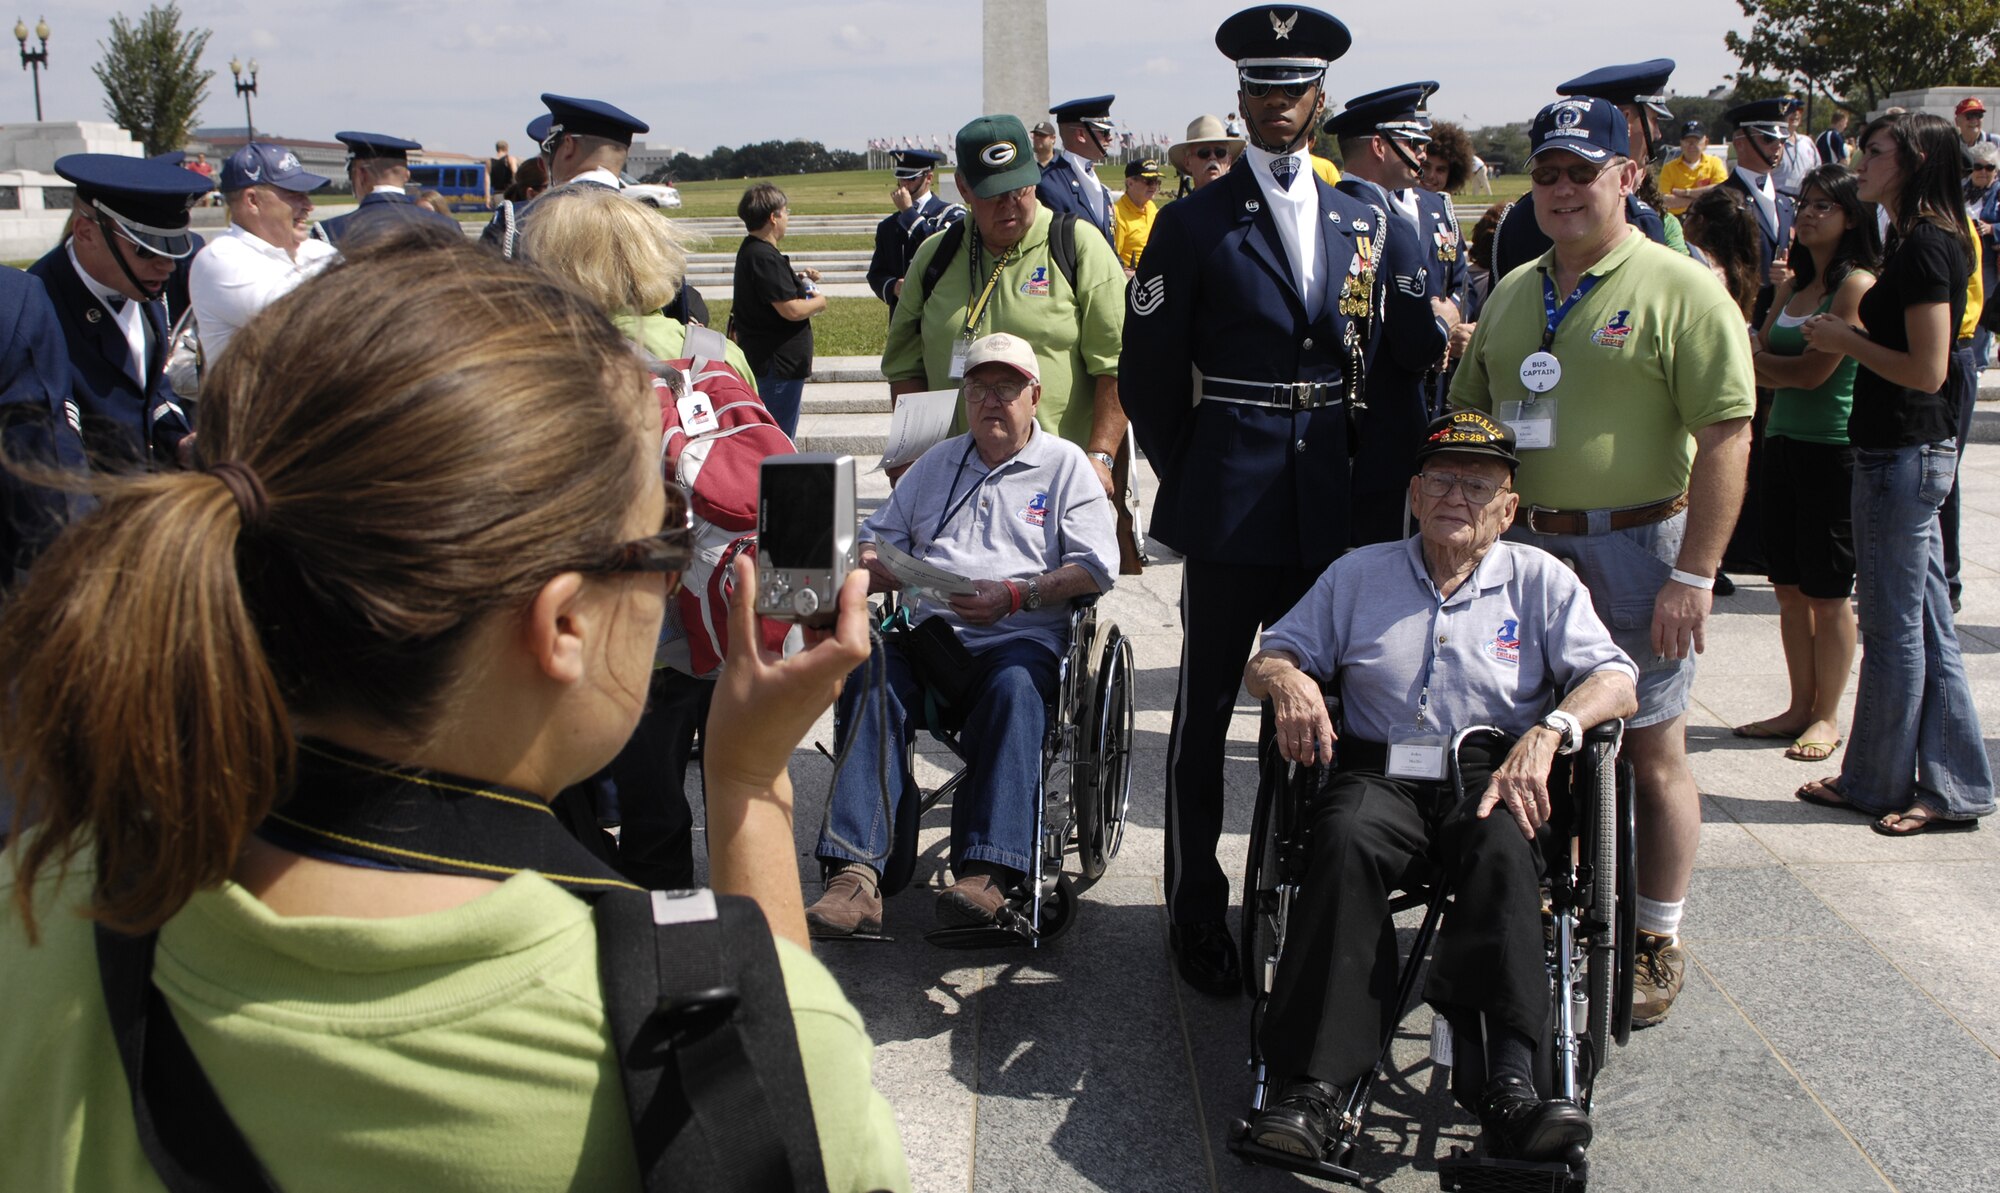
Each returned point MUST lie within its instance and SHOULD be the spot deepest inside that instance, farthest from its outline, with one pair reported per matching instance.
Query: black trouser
(1222, 607)
(1961, 388)
(656, 833)
(1335, 992)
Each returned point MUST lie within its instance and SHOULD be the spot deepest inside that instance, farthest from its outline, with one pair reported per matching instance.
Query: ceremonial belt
(693, 992)
(1577, 522)
(1279, 395)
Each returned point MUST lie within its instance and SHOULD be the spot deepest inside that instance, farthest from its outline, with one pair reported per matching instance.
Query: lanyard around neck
(977, 309)
(1556, 314)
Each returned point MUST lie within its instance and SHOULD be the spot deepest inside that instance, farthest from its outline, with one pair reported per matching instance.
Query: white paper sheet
(921, 579)
(921, 422)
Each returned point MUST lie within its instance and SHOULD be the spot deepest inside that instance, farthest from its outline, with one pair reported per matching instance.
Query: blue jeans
(993, 813)
(1916, 733)
(782, 399)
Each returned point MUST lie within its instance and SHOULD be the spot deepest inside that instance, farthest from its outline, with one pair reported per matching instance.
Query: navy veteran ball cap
(1392, 111)
(1766, 116)
(1142, 167)
(377, 146)
(148, 201)
(592, 118)
(1592, 129)
(1092, 110)
(267, 165)
(994, 157)
(1641, 83)
(1282, 44)
(1472, 433)
(914, 163)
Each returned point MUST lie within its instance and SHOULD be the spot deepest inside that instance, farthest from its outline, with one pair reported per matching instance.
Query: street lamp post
(246, 90)
(34, 61)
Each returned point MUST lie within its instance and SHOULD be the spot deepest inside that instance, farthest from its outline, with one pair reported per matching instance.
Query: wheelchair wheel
(1102, 801)
(1627, 923)
(1058, 909)
(1607, 908)
(1262, 876)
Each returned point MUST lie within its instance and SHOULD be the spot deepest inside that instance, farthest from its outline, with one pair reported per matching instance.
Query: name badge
(958, 360)
(1417, 758)
(697, 413)
(1533, 422)
(1541, 372)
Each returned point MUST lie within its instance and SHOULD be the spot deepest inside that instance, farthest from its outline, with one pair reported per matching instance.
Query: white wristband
(1705, 583)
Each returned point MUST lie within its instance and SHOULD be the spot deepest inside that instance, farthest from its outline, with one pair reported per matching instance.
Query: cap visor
(176, 246)
(1577, 145)
(301, 182)
(1028, 173)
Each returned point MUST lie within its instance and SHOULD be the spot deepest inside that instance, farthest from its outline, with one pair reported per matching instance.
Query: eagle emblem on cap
(999, 153)
(1283, 27)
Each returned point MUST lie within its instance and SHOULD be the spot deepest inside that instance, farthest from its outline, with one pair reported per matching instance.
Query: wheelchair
(1590, 926)
(1082, 793)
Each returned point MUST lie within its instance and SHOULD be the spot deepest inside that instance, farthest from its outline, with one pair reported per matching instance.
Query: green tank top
(1809, 415)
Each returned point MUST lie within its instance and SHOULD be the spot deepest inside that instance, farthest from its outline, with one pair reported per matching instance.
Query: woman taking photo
(1807, 479)
(1915, 761)
(774, 305)
(301, 714)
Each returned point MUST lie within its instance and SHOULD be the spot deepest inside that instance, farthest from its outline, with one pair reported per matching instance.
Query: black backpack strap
(186, 1133)
(1062, 246)
(947, 249)
(692, 985)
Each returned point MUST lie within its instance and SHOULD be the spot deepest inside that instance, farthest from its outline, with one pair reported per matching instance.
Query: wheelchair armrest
(1604, 731)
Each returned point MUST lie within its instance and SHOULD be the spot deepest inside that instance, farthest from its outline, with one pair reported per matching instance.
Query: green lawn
(850, 326)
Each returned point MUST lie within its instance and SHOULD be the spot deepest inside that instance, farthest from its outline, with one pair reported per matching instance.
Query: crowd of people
(314, 719)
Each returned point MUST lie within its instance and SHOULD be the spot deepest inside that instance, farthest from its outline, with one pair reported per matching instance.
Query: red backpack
(717, 436)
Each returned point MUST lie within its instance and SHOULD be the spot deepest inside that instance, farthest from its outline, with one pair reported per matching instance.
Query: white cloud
(499, 37)
(264, 40)
(1160, 66)
(853, 40)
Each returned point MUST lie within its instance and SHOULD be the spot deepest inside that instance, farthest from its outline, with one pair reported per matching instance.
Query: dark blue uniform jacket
(38, 422)
(121, 421)
(378, 206)
(897, 238)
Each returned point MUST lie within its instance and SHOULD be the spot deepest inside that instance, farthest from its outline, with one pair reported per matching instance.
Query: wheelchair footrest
(1464, 1173)
(1250, 1151)
(1010, 931)
(877, 937)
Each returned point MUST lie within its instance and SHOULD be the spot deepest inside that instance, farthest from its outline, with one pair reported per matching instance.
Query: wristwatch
(1566, 727)
(1104, 458)
(1034, 599)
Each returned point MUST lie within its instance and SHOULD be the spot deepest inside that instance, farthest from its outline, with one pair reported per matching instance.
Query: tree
(152, 76)
(1864, 50)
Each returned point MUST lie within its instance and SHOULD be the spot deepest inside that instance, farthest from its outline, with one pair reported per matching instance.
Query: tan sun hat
(1202, 130)
(1003, 349)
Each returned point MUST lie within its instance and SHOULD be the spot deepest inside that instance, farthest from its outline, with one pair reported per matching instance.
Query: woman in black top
(774, 305)
(1916, 759)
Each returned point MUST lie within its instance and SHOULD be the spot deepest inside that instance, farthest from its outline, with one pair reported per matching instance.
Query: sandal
(1826, 793)
(1920, 819)
(1812, 751)
(1764, 731)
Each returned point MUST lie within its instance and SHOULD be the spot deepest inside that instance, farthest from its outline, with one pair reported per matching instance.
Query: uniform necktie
(1284, 169)
(116, 302)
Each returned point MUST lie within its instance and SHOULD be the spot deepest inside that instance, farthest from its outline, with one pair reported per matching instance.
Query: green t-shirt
(465, 1049)
(1655, 351)
(666, 338)
(1075, 334)
(1809, 415)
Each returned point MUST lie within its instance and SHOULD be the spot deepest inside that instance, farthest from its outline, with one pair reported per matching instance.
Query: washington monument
(1015, 60)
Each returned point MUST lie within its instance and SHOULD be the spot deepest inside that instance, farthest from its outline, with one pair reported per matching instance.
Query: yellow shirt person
(1132, 215)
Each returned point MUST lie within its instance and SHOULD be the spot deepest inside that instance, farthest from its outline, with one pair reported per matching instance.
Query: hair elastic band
(252, 503)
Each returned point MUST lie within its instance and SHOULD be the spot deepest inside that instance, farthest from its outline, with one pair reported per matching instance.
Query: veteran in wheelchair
(1023, 513)
(1424, 639)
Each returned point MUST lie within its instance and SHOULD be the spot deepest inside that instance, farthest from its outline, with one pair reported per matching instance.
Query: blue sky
(457, 74)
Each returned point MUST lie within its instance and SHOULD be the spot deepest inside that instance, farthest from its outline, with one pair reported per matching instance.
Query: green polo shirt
(1655, 351)
(1075, 332)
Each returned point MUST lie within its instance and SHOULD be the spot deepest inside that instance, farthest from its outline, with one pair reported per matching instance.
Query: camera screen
(795, 516)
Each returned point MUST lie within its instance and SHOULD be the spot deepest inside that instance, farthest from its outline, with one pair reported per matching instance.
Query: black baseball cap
(1470, 433)
(1142, 167)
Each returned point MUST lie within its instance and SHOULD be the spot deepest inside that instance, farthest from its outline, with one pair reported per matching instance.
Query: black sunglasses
(1257, 90)
(1580, 173)
(1209, 155)
(669, 551)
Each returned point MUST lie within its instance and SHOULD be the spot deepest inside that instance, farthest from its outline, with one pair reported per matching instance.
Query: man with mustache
(268, 248)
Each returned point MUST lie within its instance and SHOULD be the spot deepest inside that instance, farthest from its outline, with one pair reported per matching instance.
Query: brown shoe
(851, 905)
(1660, 969)
(973, 901)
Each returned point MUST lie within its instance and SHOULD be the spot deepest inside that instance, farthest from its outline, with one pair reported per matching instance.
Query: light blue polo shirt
(1040, 509)
(1517, 636)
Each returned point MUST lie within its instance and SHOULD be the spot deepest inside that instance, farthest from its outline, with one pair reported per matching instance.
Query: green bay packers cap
(994, 157)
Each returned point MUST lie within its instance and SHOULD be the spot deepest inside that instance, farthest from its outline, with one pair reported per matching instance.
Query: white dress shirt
(599, 174)
(1097, 197)
(123, 311)
(1295, 210)
(238, 274)
(1763, 192)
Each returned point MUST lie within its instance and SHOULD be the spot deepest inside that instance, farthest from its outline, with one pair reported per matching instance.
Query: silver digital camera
(805, 535)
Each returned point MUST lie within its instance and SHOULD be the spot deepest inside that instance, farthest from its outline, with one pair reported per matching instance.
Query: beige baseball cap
(1003, 349)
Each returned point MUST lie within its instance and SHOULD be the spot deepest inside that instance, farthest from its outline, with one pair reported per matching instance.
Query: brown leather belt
(1546, 521)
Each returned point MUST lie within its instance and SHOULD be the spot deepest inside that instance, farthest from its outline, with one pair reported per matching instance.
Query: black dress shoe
(1521, 1126)
(1301, 1121)
(1724, 586)
(1206, 957)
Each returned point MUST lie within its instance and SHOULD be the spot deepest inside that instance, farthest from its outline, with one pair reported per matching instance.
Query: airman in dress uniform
(919, 214)
(107, 280)
(1760, 136)
(1638, 90)
(379, 167)
(1248, 325)
(1069, 181)
(1382, 138)
(39, 422)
